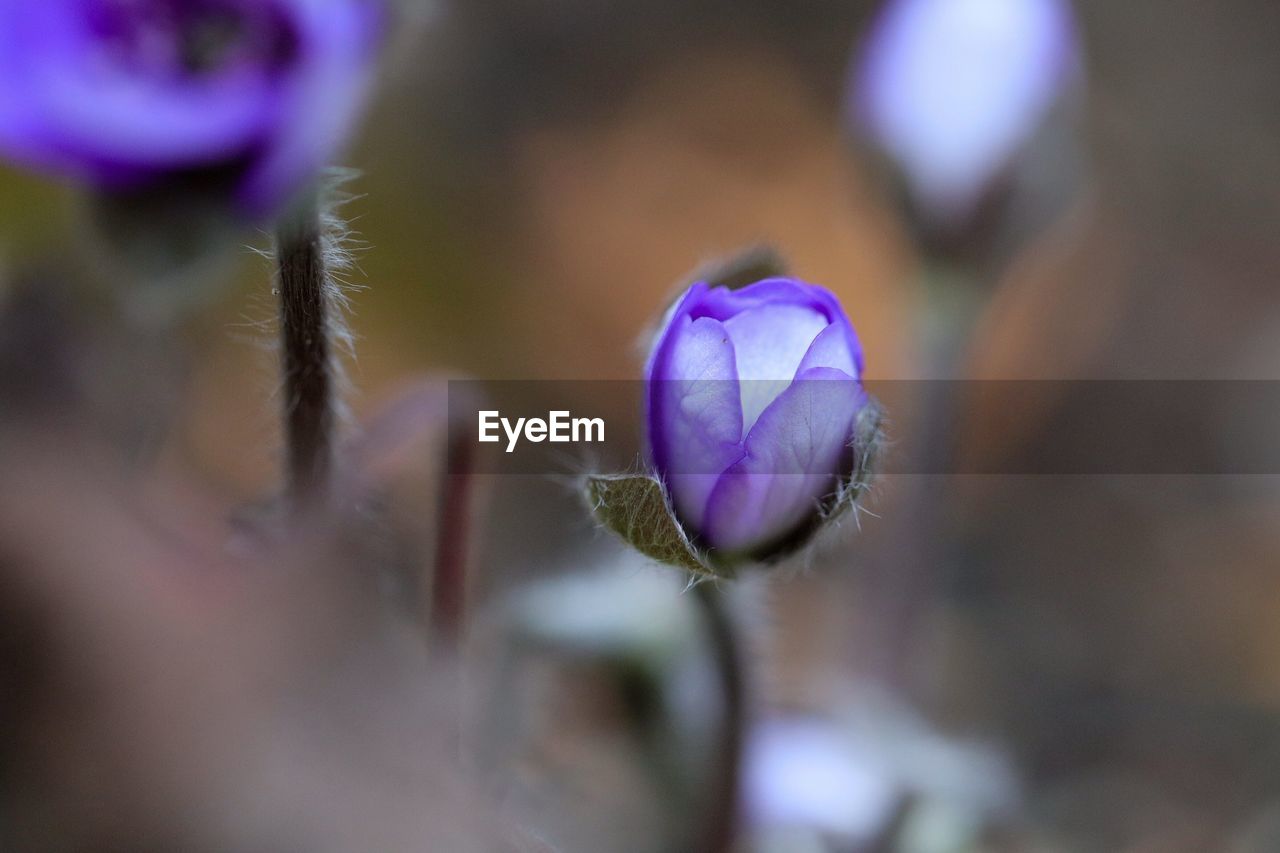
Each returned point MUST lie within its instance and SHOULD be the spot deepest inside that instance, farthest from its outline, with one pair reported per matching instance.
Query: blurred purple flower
(125, 93)
(752, 397)
(952, 89)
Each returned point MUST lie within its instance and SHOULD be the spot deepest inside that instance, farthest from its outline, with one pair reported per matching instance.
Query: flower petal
(337, 42)
(831, 349)
(100, 92)
(722, 303)
(95, 119)
(695, 416)
(770, 341)
(793, 455)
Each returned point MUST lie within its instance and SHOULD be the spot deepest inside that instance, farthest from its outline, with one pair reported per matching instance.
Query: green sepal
(868, 440)
(635, 507)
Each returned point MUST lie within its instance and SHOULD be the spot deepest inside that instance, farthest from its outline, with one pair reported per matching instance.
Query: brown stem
(721, 827)
(309, 392)
(453, 534)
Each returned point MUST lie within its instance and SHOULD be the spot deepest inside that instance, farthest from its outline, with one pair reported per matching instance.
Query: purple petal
(723, 303)
(656, 363)
(695, 417)
(831, 349)
(770, 341)
(22, 135)
(101, 90)
(88, 115)
(792, 457)
(334, 69)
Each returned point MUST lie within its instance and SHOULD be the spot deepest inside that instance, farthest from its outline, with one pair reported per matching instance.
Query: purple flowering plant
(759, 430)
(127, 94)
(187, 119)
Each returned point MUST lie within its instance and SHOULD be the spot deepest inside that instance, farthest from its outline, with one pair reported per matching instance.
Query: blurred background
(1056, 663)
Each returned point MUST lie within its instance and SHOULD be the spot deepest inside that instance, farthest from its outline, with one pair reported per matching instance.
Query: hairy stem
(309, 382)
(721, 826)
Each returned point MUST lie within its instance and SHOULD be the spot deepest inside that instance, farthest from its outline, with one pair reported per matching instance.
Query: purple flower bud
(752, 399)
(952, 89)
(125, 93)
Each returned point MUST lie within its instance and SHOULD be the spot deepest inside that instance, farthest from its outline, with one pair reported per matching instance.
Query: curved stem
(309, 386)
(722, 810)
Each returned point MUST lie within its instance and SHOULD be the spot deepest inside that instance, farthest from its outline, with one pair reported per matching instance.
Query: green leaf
(635, 507)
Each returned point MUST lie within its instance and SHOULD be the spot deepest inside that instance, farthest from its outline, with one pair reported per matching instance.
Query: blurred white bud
(953, 89)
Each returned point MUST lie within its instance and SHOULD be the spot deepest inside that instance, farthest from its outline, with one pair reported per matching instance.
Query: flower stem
(721, 827)
(307, 358)
(453, 538)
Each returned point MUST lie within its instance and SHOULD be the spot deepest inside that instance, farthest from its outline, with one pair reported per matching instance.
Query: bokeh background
(990, 663)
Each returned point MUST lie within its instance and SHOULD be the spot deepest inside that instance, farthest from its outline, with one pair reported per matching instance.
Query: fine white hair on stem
(339, 245)
(313, 257)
